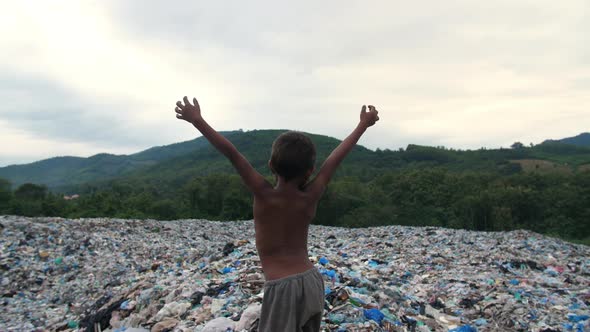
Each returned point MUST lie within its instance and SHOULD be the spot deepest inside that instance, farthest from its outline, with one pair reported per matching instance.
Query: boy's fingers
(364, 109)
(186, 102)
(178, 110)
(195, 102)
(179, 116)
(179, 104)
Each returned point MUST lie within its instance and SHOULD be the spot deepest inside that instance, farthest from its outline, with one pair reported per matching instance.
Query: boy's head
(293, 156)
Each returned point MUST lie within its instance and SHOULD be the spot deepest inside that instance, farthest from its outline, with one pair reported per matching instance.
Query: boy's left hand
(188, 112)
(369, 118)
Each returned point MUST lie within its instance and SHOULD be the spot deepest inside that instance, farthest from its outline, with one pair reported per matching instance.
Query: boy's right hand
(369, 118)
(188, 112)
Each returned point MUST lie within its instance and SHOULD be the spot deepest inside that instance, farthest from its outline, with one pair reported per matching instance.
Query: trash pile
(204, 276)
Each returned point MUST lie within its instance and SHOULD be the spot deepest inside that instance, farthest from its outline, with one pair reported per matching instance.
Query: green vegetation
(554, 204)
(491, 190)
(176, 162)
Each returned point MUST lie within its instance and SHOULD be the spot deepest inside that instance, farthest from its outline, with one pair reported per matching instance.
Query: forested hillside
(172, 164)
(545, 188)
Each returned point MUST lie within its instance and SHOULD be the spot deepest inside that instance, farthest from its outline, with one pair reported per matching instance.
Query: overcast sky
(83, 77)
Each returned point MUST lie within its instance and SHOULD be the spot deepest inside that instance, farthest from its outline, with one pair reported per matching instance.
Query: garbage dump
(196, 275)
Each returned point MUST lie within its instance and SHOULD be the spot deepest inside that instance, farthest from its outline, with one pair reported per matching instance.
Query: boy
(294, 289)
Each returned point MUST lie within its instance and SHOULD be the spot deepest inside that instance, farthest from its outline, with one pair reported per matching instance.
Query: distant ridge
(581, 140)
(68, 170)
(178, 158)
(174, 164)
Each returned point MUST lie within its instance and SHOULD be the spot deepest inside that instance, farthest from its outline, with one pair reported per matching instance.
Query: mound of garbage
(196, 275)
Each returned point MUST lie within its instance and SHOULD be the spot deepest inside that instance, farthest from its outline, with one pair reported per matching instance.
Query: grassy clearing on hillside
(543, 166)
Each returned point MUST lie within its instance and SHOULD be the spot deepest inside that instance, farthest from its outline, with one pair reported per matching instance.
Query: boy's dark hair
(293, 154)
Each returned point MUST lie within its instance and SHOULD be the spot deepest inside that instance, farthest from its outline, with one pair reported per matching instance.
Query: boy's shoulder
(304, 194)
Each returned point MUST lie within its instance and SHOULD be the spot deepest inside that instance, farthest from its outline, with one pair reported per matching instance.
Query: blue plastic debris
(125, 305)
(464, 328)
(227, 270)
(481, 321)
(375, 315)
(324, 261)
(551, 271)
(372, 263)
(577, 318)
(574, 306)
(336, 318)
(329, 273)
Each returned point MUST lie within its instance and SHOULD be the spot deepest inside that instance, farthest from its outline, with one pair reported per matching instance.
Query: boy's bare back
(282, 217)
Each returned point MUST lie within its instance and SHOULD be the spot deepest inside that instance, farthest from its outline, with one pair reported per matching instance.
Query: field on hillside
(542, 166)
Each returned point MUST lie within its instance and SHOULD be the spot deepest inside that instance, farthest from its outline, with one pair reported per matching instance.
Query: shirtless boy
(294, 289)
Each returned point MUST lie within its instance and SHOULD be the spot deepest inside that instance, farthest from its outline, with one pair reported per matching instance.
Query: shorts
(293, 304)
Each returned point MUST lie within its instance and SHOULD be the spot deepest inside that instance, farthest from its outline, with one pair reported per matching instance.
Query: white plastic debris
(249, 317)
(220, 324)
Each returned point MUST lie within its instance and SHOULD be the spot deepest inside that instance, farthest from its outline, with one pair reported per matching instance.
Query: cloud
(49, 112)
(458, 73)
(22, 146)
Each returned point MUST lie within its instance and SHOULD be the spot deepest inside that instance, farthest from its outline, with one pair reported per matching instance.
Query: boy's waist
(282, 266)
(302, 275)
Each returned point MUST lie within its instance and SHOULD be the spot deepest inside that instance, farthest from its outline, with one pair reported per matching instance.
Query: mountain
(254, 145)
(172, 165)
(66, 171)
(581, 140)
(177, 160)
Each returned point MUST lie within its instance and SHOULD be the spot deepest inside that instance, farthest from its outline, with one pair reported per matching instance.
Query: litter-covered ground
(195, 275)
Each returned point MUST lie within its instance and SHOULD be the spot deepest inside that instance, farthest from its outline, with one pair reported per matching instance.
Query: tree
(30, 191)
(28, 200)
(5, 195)
(164, 210)
(517, 145)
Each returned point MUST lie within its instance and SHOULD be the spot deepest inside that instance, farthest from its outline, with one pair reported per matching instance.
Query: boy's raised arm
(329, 166)
(192, 114)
